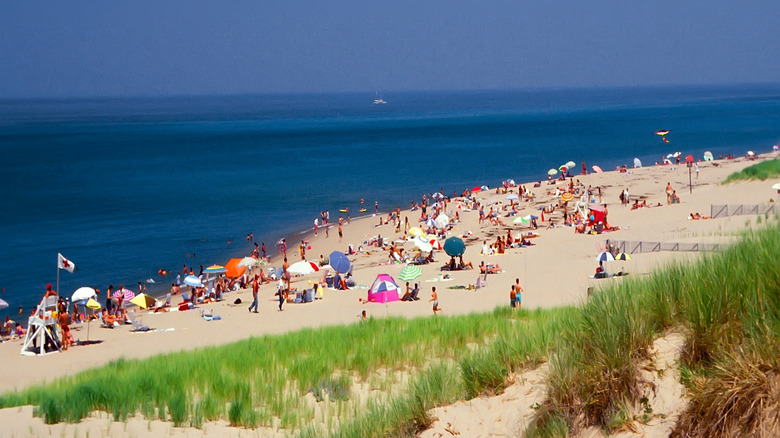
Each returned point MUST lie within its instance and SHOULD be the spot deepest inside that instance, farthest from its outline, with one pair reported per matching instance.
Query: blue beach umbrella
(454, 246)
(605, 256)
(339, 262)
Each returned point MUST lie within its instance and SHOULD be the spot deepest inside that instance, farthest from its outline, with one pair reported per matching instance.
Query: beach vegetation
(761, 171)
(728, 306)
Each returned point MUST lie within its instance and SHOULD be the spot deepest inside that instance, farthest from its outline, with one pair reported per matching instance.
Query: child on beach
(435, 299)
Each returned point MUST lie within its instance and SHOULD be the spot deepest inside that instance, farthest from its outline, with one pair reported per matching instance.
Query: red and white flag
(65, 264)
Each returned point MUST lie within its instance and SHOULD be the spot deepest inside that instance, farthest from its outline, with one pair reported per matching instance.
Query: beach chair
(136, 324)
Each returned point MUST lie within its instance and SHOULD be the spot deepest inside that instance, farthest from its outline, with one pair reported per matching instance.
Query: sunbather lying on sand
(489, 269)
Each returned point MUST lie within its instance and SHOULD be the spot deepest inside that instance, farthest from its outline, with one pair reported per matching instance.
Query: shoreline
(539, 267)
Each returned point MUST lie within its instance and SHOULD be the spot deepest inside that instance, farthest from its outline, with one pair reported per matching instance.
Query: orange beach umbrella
(232, 270)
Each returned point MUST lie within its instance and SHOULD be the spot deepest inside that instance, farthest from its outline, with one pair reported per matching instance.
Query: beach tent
(637, 163)
(384, 290)
(233, 269)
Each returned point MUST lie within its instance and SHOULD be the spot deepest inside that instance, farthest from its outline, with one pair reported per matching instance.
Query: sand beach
(556, 270)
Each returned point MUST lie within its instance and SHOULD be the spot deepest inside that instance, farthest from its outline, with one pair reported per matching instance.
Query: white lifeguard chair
(582, 205)
(42, 327)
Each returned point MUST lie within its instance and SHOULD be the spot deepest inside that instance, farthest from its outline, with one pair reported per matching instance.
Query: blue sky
(114, 48)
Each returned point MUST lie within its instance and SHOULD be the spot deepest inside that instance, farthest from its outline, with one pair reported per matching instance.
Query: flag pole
(58, 274)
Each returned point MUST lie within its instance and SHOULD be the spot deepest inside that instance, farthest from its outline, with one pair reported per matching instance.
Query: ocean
(125, 186)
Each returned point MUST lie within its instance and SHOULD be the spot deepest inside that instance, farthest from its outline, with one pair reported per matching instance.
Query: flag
(65, 264)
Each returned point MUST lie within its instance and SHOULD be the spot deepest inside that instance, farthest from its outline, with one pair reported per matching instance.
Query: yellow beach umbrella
(416, 231)
(143, 301)
(91, 304)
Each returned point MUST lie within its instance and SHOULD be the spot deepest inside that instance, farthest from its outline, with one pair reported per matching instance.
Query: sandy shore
(556, 271)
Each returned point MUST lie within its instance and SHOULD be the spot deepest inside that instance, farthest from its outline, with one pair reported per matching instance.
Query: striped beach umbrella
(126, 293)
(605, 256)
(623, 256)
(566, 197)
(409, 273)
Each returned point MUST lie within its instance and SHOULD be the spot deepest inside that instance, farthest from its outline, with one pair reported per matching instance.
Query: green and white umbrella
(409, 273)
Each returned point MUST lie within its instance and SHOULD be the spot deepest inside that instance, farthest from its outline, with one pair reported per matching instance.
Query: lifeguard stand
(41, 328)
(582, 205)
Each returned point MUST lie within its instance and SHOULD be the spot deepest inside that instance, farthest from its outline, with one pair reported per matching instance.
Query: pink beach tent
(384, 290)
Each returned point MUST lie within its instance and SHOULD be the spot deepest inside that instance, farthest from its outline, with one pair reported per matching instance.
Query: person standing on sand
(697, 170)
(285, 274)
(316, 222)
(281, 294)
(263, 250)
(518, 290)
(376, 207)
(341, 234)
(512, 298)
(255, 289)
(669, 191)
(435, 299)
(302, 249)
(110, 299)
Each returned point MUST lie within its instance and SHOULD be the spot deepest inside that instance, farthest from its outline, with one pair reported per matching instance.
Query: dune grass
(762, 171)
(727, 303)
(261, 381)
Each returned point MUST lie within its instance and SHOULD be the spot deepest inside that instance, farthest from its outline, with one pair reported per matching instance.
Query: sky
(160, 48)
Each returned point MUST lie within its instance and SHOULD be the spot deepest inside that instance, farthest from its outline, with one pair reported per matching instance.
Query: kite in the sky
(663, 135)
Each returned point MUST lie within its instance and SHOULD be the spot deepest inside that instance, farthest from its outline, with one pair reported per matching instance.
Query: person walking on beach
(316, 223)
(435, 299)
(281, 294)
(285, 274)
(341, 234)
(302, 249)
(518, 294)
(255, 289)
(697, 170)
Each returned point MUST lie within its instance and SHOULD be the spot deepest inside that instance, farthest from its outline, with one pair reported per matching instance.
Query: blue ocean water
(123, 187)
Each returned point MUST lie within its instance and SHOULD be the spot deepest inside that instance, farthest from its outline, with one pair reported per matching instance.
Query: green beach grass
(761, 171)
(727, 304)
(261, 381)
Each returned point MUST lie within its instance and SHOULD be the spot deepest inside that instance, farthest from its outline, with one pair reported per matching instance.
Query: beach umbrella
(637, 163)
(776, 186)
(605, 256)
(476, 189)
(484, 188)
(423, 243)
(127, 294)
(552, 171)
(708, 156)
(454, 246)
(441, 221)
(512, 197)
(437, 195)
(570, 164)
(409, 273)
(143, 301)
(434, 243)
(563, 168)
(416, 231)
(429, 222)
(232, 270)
(623, 256)
(3, 304)
(215, 269)
(247, 262)
(520, 220)
(751, 153)
(566, 197)
(83, 294)
(776, 147)
(596, 207)
(510, 182)
(339, 262)
(304, 267)
(597, 169)
(91, 304)
(192, 280)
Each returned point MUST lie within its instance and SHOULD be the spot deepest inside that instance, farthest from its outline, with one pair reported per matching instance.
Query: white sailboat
(378, 99)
